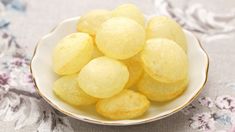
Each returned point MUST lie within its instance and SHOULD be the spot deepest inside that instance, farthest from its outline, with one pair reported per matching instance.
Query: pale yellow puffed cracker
(120, 38)
(67, 89)
(103, 77)
(125, 105)
(164, 60)
(72, 53)
(159, 91)
(91, 21)
(130, 11)
(165, 27)
(135, 70)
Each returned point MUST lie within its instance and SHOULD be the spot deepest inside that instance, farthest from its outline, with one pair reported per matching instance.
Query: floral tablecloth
(23, 22)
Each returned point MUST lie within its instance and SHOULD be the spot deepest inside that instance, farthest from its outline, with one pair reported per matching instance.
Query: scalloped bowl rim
(109, 122)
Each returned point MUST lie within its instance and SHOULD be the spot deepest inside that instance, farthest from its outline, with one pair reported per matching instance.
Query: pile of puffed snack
(119, 62)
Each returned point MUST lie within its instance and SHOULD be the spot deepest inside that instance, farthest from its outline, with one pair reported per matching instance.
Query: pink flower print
(4, 78)
(188, 109)
(225, 102)
(202, 122)
(206, 101)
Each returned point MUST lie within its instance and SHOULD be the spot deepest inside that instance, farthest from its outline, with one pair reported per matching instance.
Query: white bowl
(41, 68)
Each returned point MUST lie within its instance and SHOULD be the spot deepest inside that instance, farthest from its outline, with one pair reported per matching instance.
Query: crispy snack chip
(72, 53)
(125, 105)
(120, 38)
(91, 22)
(158, 91)
(164, 27)
(67, 89)
(103, 77)
(164, 60)
(130, 11)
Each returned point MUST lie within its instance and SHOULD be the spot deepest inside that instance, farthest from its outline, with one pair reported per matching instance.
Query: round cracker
(120, 38)
(164, 60)
(91, 21)
(125, 105)
(165, 27)
(103, 77)
(72, 53)
(67, 89)
(130, 11)
(159, 91)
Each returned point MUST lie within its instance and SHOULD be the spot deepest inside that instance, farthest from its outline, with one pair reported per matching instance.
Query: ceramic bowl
(44, 77)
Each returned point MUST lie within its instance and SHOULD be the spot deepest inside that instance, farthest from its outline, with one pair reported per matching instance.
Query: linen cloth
(24, 22)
